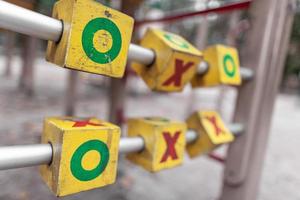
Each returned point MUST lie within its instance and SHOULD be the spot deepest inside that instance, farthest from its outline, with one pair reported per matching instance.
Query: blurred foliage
(219, 25)
(45, 6)
(293, 58)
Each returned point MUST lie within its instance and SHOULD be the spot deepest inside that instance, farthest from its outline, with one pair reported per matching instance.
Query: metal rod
(31, 23)
(24, 155)
(246, 74)
(141, 54)
(12, 157)
(129, 145)
(21, 20)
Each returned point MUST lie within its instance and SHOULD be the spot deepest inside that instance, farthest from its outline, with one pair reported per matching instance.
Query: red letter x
(85, 123)
(180, 68)
(170, 146)
(213, 120)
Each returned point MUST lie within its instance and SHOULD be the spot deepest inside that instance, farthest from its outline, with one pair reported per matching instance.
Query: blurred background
(32, 89)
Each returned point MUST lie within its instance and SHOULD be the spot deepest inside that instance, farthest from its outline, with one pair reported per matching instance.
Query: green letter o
(88, 33)
(228, 58)
(76, 167)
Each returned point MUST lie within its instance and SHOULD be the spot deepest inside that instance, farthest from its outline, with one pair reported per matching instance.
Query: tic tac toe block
(211, 131)
(224, 67)
(85, 154)
(95, 38)
(164, 142)
(175, 62)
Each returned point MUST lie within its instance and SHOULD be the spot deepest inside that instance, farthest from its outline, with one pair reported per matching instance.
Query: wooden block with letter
(211, 131)
(95, 38)
(85, 154)
(164, 142)
(175, 62)
(224, 67)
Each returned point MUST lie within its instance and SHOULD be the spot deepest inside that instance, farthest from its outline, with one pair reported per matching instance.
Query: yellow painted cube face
(175, 64)
(98, 38)
(85, 154)
(178, 73)
(164, 142)
(224, 67)
(212, 132)
(215, 127)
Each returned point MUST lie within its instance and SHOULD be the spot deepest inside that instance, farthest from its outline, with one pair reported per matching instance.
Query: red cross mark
(213, 121)
(180, 68)
(171, 141)
(84, 123)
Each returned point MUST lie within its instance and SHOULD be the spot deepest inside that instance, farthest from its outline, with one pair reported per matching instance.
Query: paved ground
(21, 123)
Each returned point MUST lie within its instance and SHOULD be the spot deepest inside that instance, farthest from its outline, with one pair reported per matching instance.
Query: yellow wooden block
(95, 39)
(85, 154)
(224, 67)
(175, 62)
(211, 132)
(164, 142)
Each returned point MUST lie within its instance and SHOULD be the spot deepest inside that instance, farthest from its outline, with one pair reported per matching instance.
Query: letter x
(180, 68)
(171, 141)
(85, 123)
(213, 121)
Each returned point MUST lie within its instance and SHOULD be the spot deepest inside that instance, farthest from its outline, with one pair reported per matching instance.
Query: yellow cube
(211, 131)
(85, 154)
(224, 67)
(95, 38)
(175, 62)
(164, 142)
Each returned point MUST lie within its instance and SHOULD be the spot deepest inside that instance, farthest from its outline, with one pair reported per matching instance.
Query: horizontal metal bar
(141, 54)
(133, 144)
(173, 18)
(31, 23)
(247, 74)
(12, 157)
(21, 20)
(24, 155)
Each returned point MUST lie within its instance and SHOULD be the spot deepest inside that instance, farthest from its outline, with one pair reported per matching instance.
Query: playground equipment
(175, 62)
(24, 21)
(211, 132)
(164, 142)
(79, 154)
(63, 169)
(224, 67)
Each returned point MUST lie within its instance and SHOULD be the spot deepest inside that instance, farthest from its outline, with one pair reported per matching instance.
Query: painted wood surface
(164, 142)
(95, 39)
(211, 131)
(85, 154)
(175, 63)
(224, 67)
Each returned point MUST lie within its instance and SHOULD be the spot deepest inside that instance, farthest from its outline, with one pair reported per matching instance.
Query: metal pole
(21, 20)
(25, 21)
(25, 156)
(12, 157)
(141, 54)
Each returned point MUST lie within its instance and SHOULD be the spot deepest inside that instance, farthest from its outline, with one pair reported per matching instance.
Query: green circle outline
(76, 161)
(227, 58)
(181, 44)
(88, 34)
